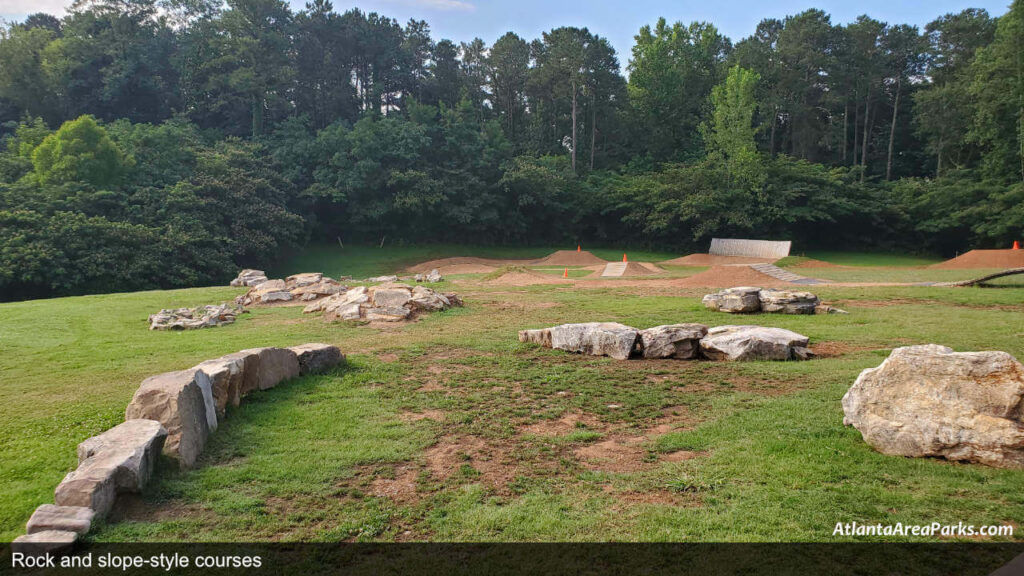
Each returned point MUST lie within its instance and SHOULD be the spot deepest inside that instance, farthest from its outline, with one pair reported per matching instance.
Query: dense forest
(165, 143)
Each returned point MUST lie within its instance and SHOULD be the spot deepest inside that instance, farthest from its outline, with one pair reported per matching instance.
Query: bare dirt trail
(984, 259)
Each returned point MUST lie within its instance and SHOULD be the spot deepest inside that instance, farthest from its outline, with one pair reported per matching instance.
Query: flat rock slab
(45, 542)
(931, 401)
(77, 519)
(175, 400)
(226, 376)
(754, 343)
(680, 341)
(596, 338)
(315, 357)
(133, 445)
(92, 485)
(788, 302)
(275, 365)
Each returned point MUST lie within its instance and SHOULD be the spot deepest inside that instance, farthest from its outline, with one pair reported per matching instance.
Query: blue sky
(461, 20)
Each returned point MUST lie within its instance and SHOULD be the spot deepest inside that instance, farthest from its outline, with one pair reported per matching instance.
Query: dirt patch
(564, 425)
(682, 455)
(523, 277)
(713, 260)
(388, 357)
(401, 489)
(833, 349)
(436, 415)
(133, 507)
(621, 454)
(569, 258)
(473, 458)
(984, 259)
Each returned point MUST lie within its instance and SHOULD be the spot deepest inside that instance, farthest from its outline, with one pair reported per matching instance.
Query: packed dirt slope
(984, 259)
(711, 260)
(569, 258)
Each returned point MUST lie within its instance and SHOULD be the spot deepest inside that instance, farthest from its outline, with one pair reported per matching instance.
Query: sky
(462, 20)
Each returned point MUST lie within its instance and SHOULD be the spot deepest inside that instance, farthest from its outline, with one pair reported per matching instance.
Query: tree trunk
(864, 139)
(574, 126)
(593, 129)
(771, 139)
(846, 132)
(856, 132)
(892, 130)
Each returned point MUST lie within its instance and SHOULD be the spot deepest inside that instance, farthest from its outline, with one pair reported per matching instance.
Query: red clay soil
(569, 258)
(464, 265)
(710, 260)
(729, 276)
(984, 259)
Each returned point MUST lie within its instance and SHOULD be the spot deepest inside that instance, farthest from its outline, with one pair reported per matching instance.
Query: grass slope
(450, 429)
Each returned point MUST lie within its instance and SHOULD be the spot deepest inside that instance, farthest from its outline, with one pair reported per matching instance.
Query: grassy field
(450, 429)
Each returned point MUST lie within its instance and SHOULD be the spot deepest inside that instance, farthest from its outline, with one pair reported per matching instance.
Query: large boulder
(77, 519)
(133, 446)
(931, 401)
(274, 365)
(788, 302)
(176, 400)
(596, 338)
(434, 276)
(681, 341)
(391, 297)
(754, 343)
(391, 278)
(249, 277)
(541, 336)
(428, 300)
(226, 376)
(303, 279)
(315, 357)
(741, 299)
(387, 314)
(92, 485)
(54, 542)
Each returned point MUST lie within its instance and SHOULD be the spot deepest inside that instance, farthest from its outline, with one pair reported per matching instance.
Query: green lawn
(900, 275)
(450, 429)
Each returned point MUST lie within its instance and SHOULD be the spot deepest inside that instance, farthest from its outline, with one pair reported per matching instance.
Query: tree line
(162, 143)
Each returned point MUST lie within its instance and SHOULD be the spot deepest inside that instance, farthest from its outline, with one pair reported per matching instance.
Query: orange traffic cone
(624, 258)
(578, 248)
(1016, 244)
(566, 273)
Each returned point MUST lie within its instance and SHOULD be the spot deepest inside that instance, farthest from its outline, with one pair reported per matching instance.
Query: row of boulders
(208, 316)
(173, 414)
(433, 276)
(304, 287)
(929, 401)
(750, 299)
(680, 341)
(388, 302)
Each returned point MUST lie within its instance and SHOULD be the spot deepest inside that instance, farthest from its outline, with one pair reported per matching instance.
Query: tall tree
(508, 65)
(729, 134)
(903, 47)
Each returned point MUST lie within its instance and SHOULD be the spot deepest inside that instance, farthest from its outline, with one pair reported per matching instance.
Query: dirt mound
(712, 260)
(569, 258)
(463, 265)
(524, 277)
(984, 259)
(729, 276)
(612, 270)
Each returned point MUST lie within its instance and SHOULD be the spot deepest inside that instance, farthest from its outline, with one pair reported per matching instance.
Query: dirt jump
(714, 260)
(985, 259)
(625, 269)
(569, 258)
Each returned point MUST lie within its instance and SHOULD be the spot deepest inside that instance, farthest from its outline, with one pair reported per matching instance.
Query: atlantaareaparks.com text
(926, 530)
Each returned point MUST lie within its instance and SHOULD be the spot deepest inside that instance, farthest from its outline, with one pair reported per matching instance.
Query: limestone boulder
(826, 309)
(788, 302)
(133, 446)
(387, 314)
(738, 300)
(92, 485)
(541, 336)
(753, 343)
(45, 542)
(191, 318)
(77, 519)
(226, 376)
(929, 401)
(175, 400)
(314, 358)
(304, 279)
(391, 278)
(275, 365)
(427, 300)
(390, 297)
(249, 277)
(434, 276)
(680, 341)
(596, 338)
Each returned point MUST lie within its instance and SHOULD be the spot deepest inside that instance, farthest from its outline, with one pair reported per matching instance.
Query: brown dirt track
(464, 265)
(984, 259)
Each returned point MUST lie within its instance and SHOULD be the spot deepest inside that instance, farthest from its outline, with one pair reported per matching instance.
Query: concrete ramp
(750, 248)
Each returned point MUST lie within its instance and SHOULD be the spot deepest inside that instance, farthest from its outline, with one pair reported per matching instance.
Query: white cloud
(26, 7)
(442, 5)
